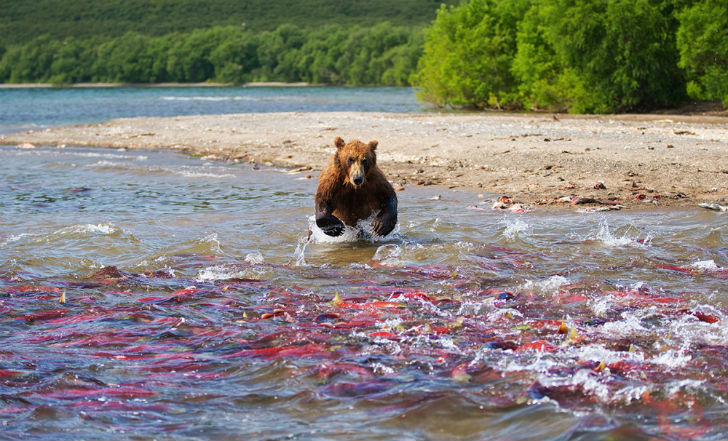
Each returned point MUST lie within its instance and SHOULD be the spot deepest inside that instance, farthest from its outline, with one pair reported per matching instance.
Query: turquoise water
(35, 108)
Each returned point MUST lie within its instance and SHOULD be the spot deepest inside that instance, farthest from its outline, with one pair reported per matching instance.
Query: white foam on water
(600, 306)
(105, 163)
(380, 344)
(389, 254)
(499, 313)
(474, 309)
(590, 381)
(629, 394)
(689, 385)
(533, 362)
(13, 238)
(690, 329)
(224, 272)
(197, 174)
(88, 228)
(629, 325)
(706, 265)
(255, 258)
(597, 352)
(515, 227)
(300, 253)
(104, 155)
(608, 239)
(393, 324)
(672, 358)
(550, 285)
(350, 234)
(213, 241)
(447, 342)
(214, 273)
(209, 98)
(381, 369)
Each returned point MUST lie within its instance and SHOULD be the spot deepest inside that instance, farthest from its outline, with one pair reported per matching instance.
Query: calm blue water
(34, 108)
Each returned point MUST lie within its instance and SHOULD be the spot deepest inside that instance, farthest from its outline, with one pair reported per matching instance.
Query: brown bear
(352, 188)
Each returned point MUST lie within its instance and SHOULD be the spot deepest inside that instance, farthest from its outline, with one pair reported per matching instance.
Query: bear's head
(355, 159)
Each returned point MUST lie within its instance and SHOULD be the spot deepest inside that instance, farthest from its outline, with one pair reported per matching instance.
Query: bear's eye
(350, 161)
(364, 162)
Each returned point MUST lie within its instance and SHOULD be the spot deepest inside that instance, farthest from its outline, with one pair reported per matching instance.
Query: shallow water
(197, 307)
(37, 108)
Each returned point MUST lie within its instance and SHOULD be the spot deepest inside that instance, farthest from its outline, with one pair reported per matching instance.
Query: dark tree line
(378, 55)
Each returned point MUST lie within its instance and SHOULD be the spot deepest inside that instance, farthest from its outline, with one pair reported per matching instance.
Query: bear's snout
(356, 176)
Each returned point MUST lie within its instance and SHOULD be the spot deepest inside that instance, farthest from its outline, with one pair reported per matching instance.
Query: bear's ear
(339, 143)
(373, 144)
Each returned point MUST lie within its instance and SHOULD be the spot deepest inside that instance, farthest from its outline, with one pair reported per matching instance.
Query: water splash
(255, 258)
(351, 234)
(299, 254)
(706, 265)
(609, 239)
(515, 228)
(88, 228)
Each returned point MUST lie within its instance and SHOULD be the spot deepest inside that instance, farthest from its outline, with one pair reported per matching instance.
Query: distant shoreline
(181, 85)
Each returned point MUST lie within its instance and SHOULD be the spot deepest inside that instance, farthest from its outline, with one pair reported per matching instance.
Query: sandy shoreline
(642, 161)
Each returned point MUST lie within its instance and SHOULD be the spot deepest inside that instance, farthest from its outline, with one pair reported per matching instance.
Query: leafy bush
(468, 55)
(622, 53)
(582, 56)
(702, 39)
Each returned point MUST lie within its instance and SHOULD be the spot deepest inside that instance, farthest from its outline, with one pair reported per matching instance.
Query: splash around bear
(352, 188)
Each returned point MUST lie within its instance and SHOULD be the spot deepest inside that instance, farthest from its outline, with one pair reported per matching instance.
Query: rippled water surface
(36, 108)
(147, 295)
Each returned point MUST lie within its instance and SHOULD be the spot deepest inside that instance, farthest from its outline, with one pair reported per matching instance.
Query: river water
(149, 295)
(37, 108)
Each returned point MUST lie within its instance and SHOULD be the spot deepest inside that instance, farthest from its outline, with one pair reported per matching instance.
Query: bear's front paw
(331, 226)
(383, 225)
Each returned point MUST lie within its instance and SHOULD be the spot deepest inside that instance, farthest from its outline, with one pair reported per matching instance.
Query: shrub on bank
(702, 39)
(590, 56)
(598, 57)
(468, 55)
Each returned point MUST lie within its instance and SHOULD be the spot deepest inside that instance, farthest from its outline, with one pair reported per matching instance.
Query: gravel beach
(538, 160)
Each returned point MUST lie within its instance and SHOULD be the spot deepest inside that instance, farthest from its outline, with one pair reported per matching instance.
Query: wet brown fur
(338, 195)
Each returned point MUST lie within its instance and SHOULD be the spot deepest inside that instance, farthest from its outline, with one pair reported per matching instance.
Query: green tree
(31, 61)
(598, 56)
(72, 62)
(702, 39)
(545, 79)
(276, 53)
(468, 55)
(188, 59)
(235, 58)
(125, 59)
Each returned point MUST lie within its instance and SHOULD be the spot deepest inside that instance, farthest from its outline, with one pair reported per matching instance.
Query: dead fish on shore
(507, 203)
(713, 206)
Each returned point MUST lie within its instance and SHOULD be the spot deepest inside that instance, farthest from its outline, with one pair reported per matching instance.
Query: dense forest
(23, 20)
(592, 56)
(332, 54)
